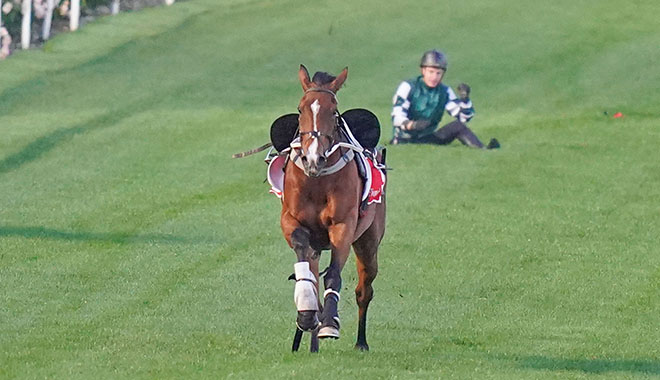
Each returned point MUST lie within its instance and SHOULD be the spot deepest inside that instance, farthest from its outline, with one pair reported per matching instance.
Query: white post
(26, 25)
(0, 28)
(74, 15)
(169, 2)
(45, 33)
(115, 7)
(2, 36)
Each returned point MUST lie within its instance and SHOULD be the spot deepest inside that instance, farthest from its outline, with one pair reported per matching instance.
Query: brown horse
(321, 211)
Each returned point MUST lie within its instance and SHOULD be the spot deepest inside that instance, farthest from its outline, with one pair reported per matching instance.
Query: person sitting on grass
(419, 104)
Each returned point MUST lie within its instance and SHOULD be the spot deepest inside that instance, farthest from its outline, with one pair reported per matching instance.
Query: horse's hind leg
(306, 273)
(366, 253)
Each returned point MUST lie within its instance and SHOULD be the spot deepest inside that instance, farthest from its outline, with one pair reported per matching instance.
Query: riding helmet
(434, 58)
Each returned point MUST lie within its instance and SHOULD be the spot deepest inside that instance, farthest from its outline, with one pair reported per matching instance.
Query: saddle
(361, 129)
(362, 123)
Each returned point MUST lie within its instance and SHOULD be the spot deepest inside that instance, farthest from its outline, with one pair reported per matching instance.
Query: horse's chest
(320, 210)
(313, 209)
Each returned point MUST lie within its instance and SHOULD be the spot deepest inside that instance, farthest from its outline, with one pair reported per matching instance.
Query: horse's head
(319, 118)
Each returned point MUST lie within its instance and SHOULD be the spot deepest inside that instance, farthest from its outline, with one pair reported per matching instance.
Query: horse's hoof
(329, 332)
(307, 320)
(362, 346)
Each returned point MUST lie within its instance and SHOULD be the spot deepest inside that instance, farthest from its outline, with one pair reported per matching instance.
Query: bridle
(331, 139)
(317, 134)
(345, 157)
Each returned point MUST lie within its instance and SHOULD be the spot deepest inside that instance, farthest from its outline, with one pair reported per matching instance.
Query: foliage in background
(12, 17)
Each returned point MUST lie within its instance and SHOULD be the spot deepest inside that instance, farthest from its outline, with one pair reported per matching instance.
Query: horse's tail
(252, 151)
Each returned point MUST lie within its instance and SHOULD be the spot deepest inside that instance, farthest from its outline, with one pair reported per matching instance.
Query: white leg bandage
(330, 291)
(305, 295)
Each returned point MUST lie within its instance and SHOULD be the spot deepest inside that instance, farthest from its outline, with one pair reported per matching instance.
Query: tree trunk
(45, 34)
(74, 15)
(26, 9)
(115, 7)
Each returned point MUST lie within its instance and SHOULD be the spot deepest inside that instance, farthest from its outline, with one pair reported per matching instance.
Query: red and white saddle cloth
(377, 185)
(276, 175)
(374, 180)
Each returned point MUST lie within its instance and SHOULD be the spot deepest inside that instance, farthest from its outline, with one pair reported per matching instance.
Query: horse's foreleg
(330, 315)
(341, 246)
(306, 291)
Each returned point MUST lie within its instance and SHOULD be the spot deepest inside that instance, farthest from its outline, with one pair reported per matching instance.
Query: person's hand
(415, 125)
(463, 91)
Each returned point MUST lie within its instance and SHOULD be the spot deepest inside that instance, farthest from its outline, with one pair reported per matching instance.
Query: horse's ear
(339, 81)
(303, 74)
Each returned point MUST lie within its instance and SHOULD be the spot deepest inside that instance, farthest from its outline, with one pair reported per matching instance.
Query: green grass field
(133, 247)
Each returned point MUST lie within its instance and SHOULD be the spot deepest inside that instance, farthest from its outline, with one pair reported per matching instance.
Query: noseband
(317, 134)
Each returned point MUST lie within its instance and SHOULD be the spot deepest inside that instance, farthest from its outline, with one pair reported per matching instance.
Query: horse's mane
(321, 78)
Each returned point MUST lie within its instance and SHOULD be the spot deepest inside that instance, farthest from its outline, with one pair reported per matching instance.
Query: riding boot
(456, 130)
(467, 137)
(493, 144)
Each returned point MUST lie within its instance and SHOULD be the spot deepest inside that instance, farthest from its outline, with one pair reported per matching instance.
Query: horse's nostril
(304, 158)
(321, 160)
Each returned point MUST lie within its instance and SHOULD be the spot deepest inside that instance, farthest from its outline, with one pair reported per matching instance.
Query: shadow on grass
(595, 366)
(113, 238)
(46, 143)
(50, 141)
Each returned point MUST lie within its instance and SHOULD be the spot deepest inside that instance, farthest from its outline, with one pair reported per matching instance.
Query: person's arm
(460, 107)
(401, 106)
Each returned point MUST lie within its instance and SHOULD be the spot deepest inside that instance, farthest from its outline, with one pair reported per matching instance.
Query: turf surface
(132, 246)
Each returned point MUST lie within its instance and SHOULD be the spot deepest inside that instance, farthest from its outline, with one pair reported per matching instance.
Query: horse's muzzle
(313, 167)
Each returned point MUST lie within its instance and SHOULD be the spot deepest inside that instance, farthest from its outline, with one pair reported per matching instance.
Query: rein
(252, 151)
